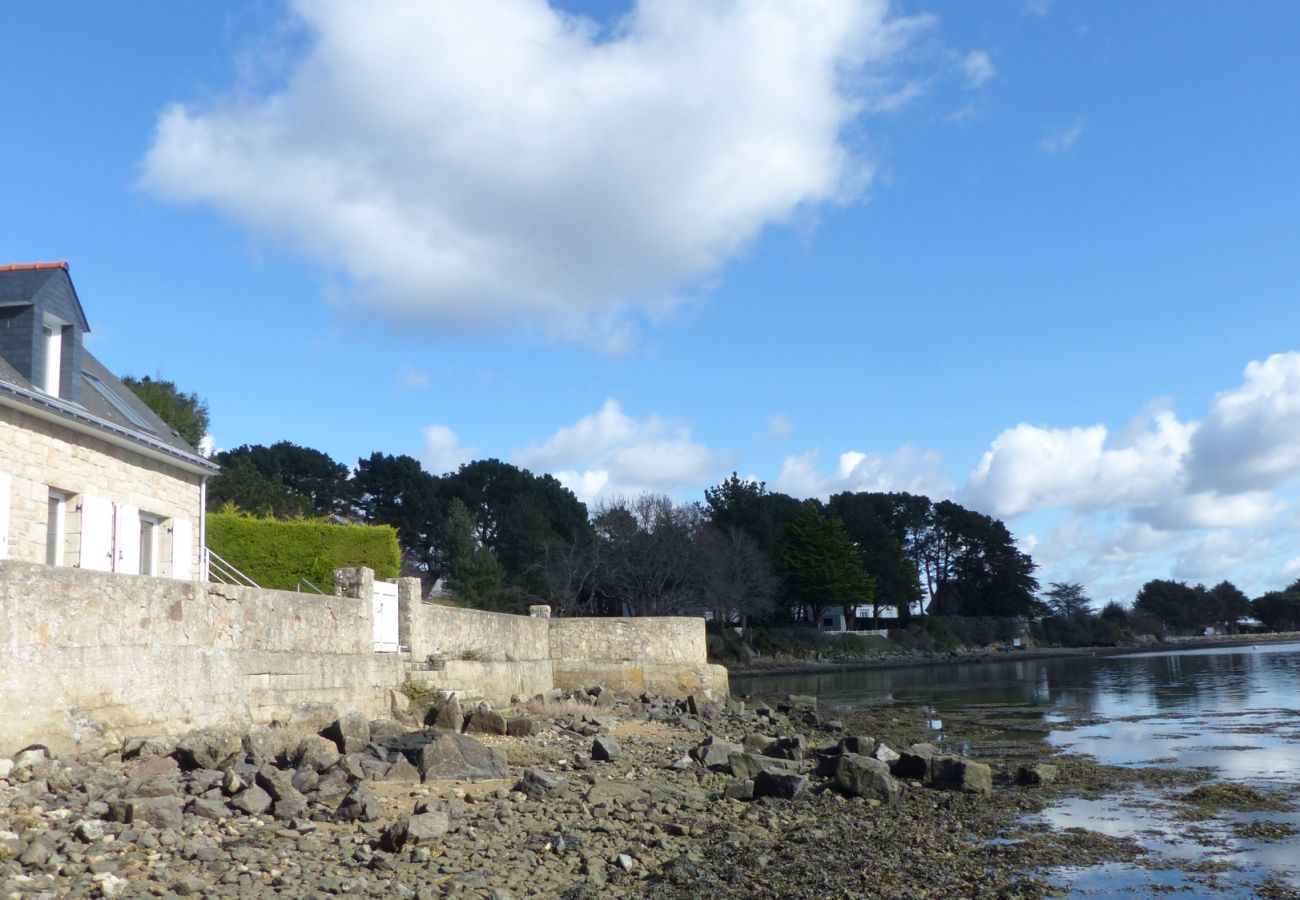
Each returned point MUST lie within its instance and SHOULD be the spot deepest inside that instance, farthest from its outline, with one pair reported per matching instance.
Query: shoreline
(819, 667)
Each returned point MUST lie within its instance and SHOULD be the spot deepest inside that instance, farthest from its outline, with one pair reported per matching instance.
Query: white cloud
(1251, 438)
(778, 428)
(409, 378)
(906, 469)
(608, 453)
(443, 451)
(1028, 467)
(1060, 141)
(501, 162)
(977, 68)
(1037, 7)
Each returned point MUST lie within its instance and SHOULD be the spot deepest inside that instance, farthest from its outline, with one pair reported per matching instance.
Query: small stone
(626, 862)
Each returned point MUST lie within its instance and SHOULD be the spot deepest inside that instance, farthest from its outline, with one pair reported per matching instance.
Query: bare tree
(568, 571)
(734, 575)
(648, 546)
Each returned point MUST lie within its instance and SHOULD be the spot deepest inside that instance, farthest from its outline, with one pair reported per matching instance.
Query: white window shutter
(4, 514)
(96, 534)
(182, 547)
(128, 539)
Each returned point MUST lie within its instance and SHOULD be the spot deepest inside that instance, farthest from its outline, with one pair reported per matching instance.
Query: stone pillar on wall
(409, 591)
(540, 611)
(357, 583)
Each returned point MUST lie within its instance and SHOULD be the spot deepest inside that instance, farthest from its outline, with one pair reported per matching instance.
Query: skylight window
(118, 403)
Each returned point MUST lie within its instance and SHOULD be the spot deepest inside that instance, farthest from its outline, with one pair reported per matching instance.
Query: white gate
(385, 608)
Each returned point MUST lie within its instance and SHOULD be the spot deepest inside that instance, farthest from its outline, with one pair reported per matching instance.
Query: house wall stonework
(39, 455)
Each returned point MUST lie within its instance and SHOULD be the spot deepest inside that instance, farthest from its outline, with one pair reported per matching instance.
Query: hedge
(276, 553)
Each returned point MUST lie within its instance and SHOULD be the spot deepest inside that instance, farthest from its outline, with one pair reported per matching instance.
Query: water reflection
(1200, 681)
(1231, 711)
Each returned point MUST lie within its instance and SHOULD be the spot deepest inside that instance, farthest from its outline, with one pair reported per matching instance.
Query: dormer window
(53, 334)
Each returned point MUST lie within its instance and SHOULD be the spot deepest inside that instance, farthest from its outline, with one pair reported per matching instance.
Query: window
(117, 402)
(148, 544)
(56, 528)
(53, 330)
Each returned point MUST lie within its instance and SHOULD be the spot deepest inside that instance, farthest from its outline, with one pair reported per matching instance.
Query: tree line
(500, 537)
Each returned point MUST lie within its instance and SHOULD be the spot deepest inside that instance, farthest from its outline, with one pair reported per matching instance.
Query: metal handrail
(222, 572)
(302, 581)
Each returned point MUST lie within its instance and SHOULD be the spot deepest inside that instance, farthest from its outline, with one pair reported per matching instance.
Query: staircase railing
(221, 571)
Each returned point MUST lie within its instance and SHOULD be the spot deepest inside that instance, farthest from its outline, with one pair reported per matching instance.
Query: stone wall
(137, 654)
(81, 650)
(38, 455)
(505, 656)
(664, 655)
(451, 633)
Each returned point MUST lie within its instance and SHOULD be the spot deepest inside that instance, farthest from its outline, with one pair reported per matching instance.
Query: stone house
(89, 475)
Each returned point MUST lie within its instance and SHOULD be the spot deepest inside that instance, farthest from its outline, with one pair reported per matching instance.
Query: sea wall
(82, 651)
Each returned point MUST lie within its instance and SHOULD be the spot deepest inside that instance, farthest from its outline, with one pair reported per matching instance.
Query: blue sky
(1037, 256)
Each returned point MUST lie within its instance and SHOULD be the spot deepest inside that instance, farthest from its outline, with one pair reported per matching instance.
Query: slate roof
(124, 416)
(26, 282)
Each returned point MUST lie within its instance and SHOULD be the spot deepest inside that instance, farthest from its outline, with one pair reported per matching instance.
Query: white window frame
(150, 527)
(52, 329)
(56, 527)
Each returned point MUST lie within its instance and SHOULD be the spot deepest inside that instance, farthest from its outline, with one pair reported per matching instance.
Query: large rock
(748, 765)
(715, 753)
(360, 805)
(403, 772)
(521, 726)
(147, 746)
(956, 773)
(316, 752)
(1036, 774)
(421, 827)
(863, 776)
(449, 756)
(448, 716)
(605, 748)
(263, 745)
(793, 747)
(252, 800)
(160, 812)
(349, 733)
(485, 721)
(783, 787)
(537, 783)
(914, 762)
(210, 748)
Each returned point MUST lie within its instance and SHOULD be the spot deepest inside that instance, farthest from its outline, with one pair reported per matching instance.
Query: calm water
(1233, 713)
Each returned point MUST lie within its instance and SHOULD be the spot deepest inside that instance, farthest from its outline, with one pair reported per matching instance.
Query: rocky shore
(578, 795)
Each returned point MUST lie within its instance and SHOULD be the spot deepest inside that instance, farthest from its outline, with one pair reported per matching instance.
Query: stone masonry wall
(662, 655)
(137, 654)
(40, 455)
(451, 632)
(81, 650)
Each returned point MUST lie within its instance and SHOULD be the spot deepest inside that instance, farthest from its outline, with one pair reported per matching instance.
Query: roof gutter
(62, 413)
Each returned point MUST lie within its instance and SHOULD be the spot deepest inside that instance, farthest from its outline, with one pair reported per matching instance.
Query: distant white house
(89, 475)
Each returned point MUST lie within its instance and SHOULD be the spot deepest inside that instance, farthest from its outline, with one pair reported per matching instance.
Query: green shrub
(277, 553)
